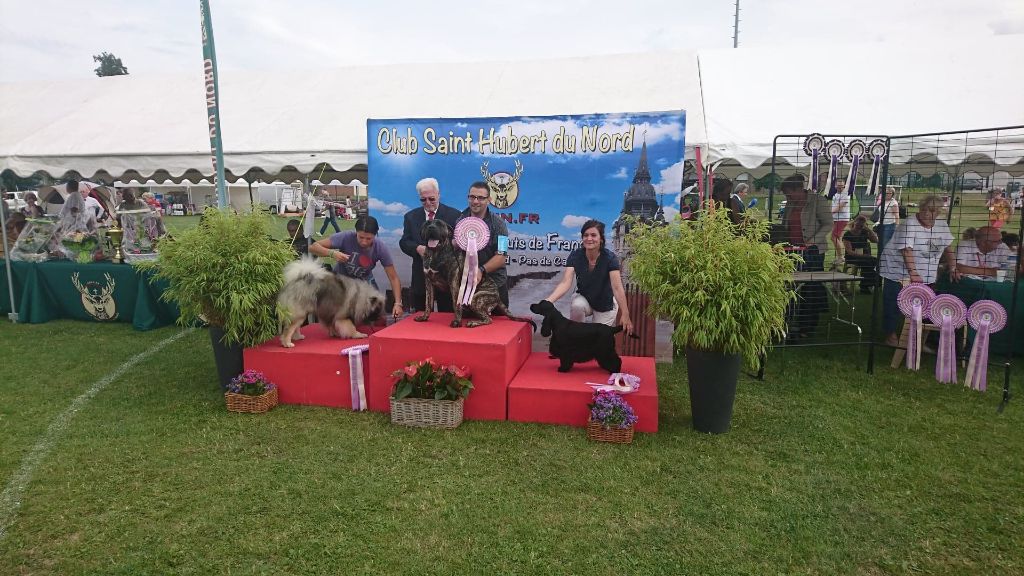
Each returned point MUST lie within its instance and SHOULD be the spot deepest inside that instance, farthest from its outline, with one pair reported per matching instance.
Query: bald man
(981, 257)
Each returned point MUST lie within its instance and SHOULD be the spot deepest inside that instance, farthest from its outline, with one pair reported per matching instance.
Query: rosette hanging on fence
(913, 300)
(877, 149)
(834, 149)
(471, 234)
(986, 317)
(813, 146)
(949, 313)
(855, 150)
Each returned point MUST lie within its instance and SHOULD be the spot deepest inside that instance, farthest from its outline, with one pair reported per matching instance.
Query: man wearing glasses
(412, 244)
(492, 261)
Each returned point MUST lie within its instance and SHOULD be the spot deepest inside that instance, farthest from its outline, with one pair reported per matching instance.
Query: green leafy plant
(226, 271)
(723, 286)
(428, 379)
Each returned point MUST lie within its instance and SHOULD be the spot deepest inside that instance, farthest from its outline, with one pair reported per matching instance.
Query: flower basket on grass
(611, 419)
(429, 395)
(251, 392)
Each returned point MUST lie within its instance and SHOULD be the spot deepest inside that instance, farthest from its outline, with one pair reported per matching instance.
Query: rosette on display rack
(855, 151)
(834, 149)
(813, 146)
(950, 314)
(471, 234)
(986, 317)
(877, 150)
(914, 300)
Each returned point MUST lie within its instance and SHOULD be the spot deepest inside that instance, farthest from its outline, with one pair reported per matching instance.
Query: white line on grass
(10, 499)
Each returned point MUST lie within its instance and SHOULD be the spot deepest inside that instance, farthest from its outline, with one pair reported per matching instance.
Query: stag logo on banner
(97, 299)
(504, 186)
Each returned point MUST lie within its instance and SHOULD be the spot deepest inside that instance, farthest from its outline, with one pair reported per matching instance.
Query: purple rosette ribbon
(913, 300)
(813, 146)
(618, 382)
(355, 375)
(834, 149)
(986, 317)
(470, 234)
(877, 149)
(949, 313)
(855, 150)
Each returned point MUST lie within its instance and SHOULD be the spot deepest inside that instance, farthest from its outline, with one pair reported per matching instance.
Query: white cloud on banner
(621, 174)
(391, 208)
(671, 179)
(571, 221)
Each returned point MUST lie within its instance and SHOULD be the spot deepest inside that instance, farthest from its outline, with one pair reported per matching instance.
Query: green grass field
(827, 470)
(279, 226)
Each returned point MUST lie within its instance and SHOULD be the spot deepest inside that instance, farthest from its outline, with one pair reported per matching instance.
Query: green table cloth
(970, 291)
(99, 292)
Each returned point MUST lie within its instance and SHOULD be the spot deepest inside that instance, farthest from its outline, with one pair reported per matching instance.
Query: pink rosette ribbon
(813, 146)
(986, 317)
(470, 234)
(619, 382)
(949, 313)
(355, 375)
(913, 300)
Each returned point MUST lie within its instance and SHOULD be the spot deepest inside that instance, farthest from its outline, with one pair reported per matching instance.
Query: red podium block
(313, 372)
(540, 393)
(493, 354)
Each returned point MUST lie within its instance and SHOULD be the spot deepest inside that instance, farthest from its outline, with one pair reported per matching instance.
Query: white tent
(287, 124)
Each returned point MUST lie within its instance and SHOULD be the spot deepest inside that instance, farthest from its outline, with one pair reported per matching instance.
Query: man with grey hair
(412, 244)
(983, 256)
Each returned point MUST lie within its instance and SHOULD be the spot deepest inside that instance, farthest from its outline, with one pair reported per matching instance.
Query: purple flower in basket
(250, 383)
(609, 410)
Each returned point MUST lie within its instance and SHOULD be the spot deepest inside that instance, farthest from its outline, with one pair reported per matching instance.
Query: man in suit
(808, 222)
(412, 244)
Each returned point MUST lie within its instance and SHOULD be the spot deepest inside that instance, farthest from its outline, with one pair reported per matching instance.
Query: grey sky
(49, 39)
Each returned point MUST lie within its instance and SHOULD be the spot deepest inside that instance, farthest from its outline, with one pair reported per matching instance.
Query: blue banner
(547, 176)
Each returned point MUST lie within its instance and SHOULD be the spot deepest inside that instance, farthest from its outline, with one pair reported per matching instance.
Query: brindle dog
(443, 265)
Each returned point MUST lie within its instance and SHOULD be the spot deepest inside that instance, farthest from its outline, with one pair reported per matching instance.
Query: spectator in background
(91, 203)
(32, 209)
(808, 223)
(15, 224)
(981, 257)
(857, 247)
(296, 240)
(150, 199)
(840, 218)
(998, 210)
(128, 201)
(330, 214)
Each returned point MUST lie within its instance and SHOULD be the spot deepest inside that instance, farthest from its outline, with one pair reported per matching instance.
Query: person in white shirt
(912, 256)
(90, 202)
(983, 256)
(840, 218)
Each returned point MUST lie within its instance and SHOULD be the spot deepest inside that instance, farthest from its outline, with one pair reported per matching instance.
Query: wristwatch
(483, 271)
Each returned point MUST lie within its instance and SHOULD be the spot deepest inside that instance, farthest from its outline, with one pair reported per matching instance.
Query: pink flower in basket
(250, 383)
(428, 379)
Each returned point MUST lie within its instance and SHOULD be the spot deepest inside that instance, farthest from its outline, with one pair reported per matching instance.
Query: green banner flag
(213, 101)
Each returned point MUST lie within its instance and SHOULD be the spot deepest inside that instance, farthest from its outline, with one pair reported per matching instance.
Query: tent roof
(284, 125)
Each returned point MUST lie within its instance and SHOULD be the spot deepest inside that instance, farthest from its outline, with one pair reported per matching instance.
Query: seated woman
(857, 247)
(913, 256)
(599, 291)
(356, 254)
(32, 209)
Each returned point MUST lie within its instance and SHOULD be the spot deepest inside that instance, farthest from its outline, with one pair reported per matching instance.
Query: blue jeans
(890, 309)
(329, 219)
(885, 234)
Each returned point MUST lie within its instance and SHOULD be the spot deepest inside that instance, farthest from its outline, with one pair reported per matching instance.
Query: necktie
(430, 215)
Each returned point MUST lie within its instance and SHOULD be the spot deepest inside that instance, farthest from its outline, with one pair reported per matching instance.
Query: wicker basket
(425, 413)
(599, 433)
(253, 404)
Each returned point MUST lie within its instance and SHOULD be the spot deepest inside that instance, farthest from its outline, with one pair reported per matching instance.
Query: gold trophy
(115, 234)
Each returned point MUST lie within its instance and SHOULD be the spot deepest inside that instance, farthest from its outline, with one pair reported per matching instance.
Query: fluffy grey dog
(338, 301)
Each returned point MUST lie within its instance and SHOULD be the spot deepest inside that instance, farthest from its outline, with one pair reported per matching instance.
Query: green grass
(827, 470)
(178, 224)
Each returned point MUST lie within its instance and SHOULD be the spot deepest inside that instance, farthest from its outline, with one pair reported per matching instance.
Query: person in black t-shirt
(857, 244)
(599, 290)
(296, 240)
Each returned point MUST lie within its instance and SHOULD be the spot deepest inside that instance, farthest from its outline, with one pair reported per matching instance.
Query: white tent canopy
(284, 125)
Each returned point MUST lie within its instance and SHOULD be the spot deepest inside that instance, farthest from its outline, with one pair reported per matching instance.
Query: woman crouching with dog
(599, 292)
(356, 253)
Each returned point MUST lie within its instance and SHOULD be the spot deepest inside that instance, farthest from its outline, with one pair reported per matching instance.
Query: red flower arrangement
(428, 379)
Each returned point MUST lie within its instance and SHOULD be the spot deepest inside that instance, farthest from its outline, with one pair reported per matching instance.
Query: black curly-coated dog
(573, 342)
(443, 266)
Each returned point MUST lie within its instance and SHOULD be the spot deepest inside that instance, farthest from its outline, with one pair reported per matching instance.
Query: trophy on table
(115, 234)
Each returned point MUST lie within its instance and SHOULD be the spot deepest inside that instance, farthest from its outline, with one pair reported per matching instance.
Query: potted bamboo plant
(726, 291)
(226, 271)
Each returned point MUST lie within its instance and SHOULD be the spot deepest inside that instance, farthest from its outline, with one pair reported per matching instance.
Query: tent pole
(13, 314)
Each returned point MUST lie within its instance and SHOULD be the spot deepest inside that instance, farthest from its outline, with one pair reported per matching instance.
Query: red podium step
(540, 393)
(493, 354)
(313, 372)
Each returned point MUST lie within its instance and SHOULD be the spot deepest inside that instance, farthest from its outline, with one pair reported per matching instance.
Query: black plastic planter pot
(227, 358)
(712, 378)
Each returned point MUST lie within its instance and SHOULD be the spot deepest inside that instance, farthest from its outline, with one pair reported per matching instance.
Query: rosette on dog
(471, 234)
(913, 300)
(986, 317)
(949, 313)
(813, 145)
